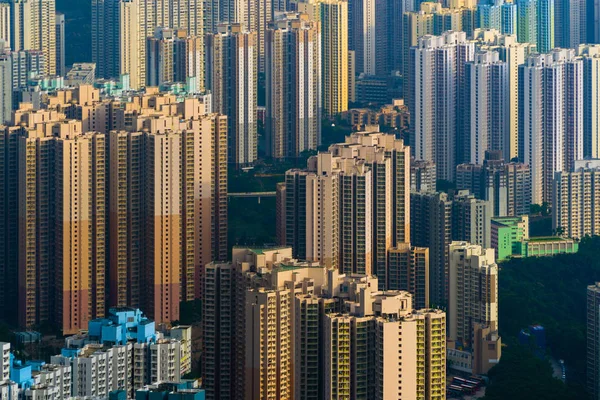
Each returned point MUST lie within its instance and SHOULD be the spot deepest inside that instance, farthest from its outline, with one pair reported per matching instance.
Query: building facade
(293, 86)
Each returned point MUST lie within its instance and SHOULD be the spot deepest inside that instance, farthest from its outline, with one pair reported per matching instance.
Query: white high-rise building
(293, 86)
(436, 74)
(362, 30)
(487, 96)
(513, 54)
(570, 23)
(5, 28)
(231, 56)
(550, 117)
(255, 16)
(6, 86)
(120, 29)
(591, 100)
(4, 362)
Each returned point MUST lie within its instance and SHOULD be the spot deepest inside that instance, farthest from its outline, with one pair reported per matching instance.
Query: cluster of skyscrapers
(277, 326)
(110, 202)
(113, 185)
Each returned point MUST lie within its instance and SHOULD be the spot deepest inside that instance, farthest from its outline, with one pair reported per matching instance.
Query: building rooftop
(548, 239)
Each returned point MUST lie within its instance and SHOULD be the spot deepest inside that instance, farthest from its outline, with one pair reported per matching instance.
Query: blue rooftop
(122, 325)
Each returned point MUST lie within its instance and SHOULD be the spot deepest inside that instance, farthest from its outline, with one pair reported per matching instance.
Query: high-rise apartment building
(265, 283)
(160, 57)
(423, 176)
(220, 12)
(570, 23)
(497, 15)
(255, 16)
(367, 30)
(333, 16)
(550, 85)
(61, 68)
(473, 290)
(79, 218)
(576, 201)
(591, 100)
(545, 25)
(33, 27)
(507, 186)
(513, 54)
(431, 227)
(486, 107)
(268, 344)
(293, 86)
(120, 29)
(163, 266)
(231, 56)
(395, 373)
(593, 21)
(6, 86)
(430, 18)
(174, 56)
(219, 330)
(593, 340)
(527, 21)
(437, 72)
(436, 220)
(61, 185)
(408, 270)
(5, 27)
(351, 204)
(472, 219)
(473, 303)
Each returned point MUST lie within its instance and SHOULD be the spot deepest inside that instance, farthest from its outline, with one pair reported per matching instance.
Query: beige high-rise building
(384, 349)
(293, 83)
(199, 151)
(576, 201)
(150, 220)
(80, 226)
(473, 291)
(125, 175)
(411, 361)
(163, 267)
(33, 28)
(351, 204)
(36, 250)
(231, 56)
(473, 305)
(62, 220)
(268, 362)
(337, 354)
(264, 282)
